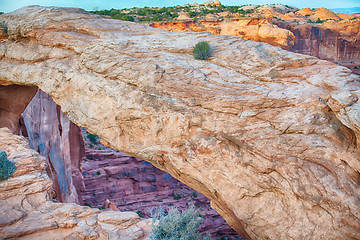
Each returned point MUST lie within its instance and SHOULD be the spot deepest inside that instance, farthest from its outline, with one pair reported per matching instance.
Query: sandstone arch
(268, 135)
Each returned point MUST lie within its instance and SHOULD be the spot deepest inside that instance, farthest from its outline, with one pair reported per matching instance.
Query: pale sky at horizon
(11, 5)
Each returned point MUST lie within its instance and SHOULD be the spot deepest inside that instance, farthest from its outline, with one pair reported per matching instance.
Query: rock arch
(268, 135)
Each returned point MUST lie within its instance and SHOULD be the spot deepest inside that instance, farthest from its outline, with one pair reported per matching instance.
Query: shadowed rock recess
(268, 135)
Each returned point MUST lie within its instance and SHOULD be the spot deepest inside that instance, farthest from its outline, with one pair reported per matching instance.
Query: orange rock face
(261, 30)
(345, 16)
(305, 12)
(323, 14)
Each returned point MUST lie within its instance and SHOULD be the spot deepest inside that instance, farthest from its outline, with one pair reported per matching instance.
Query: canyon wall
(54, 136)
(268, 135)
(336, 41)
(27, 212)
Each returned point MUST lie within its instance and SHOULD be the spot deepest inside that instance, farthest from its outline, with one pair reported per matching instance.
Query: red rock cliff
(54, 136)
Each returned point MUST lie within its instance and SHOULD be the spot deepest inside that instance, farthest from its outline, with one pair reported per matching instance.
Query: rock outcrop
(26, 211)
(54, 136)
(268, 135)
(255, 29)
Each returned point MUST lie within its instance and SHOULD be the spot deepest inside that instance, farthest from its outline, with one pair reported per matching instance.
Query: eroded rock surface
(54, 136)
(268, 135)
(27, 213)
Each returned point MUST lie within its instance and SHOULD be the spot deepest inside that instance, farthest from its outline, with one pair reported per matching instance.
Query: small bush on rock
(176, 225)
(92, 138)
(202, 50)
(4, 28)
(7, 168)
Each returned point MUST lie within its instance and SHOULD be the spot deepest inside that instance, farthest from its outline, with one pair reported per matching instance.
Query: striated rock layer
(54, 136)
(268, 135)
(333, 41)
(26, 211)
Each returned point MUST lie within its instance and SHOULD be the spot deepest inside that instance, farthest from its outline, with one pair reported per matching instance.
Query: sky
(11, 5)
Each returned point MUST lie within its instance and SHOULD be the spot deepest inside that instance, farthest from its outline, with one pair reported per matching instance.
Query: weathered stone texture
(54, 136)
(268, 135)
(26, 211)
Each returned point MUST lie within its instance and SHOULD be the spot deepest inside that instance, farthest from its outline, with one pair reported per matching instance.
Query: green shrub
(355, 67)
(202, 50)
(127, 18)
(92, 138)
(177, 225)
(4, 28)
(7, 168)
(140, 214)
(177, 197)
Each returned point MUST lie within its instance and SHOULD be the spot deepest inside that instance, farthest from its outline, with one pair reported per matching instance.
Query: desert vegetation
(177, 225)
(202, 50)
(219, 12)
(171, 13)
(7, 168)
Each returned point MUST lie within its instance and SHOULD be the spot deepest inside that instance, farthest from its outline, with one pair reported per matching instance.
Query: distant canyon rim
(278, 129)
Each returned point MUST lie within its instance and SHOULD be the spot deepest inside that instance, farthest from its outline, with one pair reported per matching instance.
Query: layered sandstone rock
(26, 211)
(268, 135)
(333, 41)
(54, 136)
(261, 30)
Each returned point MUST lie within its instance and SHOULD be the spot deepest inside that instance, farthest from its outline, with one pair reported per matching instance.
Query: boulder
(268, 135)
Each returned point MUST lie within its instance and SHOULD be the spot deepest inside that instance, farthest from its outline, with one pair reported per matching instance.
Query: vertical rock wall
(54, 136)
(336, 42)
(13, 101)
